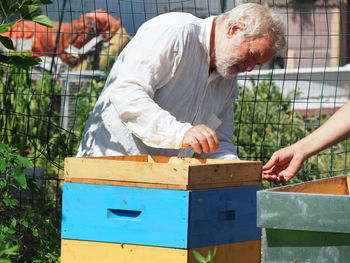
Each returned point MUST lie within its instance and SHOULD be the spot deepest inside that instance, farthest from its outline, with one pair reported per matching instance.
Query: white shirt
(157, 89)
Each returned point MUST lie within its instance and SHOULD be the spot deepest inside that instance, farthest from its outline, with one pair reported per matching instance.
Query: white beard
(228, 68)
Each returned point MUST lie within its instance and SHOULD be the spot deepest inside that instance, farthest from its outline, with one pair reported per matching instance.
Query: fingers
(281, 167)
(273, 160)
(195, 145)
(277, 179)
(201, 138)
(209, 140)
(282, 171)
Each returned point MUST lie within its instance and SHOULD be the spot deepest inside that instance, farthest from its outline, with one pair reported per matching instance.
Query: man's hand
(283, 165)
(201, 137)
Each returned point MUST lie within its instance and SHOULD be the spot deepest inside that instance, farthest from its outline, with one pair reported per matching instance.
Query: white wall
(319, 87)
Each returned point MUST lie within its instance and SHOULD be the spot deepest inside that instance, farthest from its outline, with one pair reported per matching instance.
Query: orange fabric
(77, 34)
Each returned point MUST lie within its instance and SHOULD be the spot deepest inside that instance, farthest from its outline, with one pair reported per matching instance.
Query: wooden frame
(162, 172)
(338, 185)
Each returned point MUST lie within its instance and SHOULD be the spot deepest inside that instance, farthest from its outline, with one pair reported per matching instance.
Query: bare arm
(285, 163)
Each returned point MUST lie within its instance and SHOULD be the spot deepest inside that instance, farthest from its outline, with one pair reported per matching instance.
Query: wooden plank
(241, 252)
(187, 160)
(162, 186)
(192, 173)
(194, 161)
(164, 159)
(131, 158)
(229, 172)
(78, 251)
(303, 211)
(221, 216)
(348, 184)
(286, 246)
(132, 215)
(334, 185)
(106, 169)
(130, 184)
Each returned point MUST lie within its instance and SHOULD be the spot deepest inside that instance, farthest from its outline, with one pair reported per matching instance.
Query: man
(285, 163)
(173, 85)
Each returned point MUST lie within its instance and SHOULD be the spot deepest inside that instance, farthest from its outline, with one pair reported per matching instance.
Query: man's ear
(232, 30)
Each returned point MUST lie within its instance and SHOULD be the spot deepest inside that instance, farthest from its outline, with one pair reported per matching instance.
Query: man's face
(236, 55)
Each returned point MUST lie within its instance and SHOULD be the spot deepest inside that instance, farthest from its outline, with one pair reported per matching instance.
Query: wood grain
(333, 185)
(163, 172)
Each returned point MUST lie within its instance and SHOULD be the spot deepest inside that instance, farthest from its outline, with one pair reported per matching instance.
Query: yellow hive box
(76, 251)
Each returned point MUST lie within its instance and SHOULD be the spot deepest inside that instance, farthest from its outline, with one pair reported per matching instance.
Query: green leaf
(31, 214)
(25, 223)
(7, 42)
(2, 165)
(4, 59)
(24, 161)
(29, 11)
(4, 27)
(13, 202)
(208, 259)
(199, 257)
(33, 185)
(13, 222)
(8, 251)
(2, 146)
(23, 61)
(35, 232)
(3, 182)
(11, 231)
(43, 20)
(21, 178)
(42, 2)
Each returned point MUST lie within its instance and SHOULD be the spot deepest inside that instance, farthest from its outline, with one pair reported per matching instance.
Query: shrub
(29, 231)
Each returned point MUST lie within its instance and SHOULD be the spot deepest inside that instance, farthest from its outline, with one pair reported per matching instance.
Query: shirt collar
(204, 37)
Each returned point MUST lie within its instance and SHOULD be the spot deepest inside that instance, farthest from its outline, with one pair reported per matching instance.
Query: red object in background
(25, 152)
(77, 34)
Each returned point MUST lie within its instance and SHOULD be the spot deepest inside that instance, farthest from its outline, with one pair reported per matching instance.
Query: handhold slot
(226, 215)
(122, 213)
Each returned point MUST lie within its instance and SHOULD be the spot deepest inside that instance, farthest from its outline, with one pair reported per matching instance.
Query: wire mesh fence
(45, 107)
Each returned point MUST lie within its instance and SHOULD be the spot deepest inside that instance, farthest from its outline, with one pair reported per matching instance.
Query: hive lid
(162, 172)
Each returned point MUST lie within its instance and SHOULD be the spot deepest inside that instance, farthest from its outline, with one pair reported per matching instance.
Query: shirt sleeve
(225, 132)
(147, 63)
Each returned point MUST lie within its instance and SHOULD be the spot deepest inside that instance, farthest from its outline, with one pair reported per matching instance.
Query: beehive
(157, 209)
(307, 222)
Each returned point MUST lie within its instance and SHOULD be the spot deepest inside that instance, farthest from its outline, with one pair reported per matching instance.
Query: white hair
(256, 21)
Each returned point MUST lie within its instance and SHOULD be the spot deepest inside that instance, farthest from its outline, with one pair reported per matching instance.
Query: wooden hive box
(129, 206)
(307, 222)
(162, 172)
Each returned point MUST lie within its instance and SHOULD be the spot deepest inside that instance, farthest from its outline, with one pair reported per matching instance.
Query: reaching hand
(283, 165)
(201, 137)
